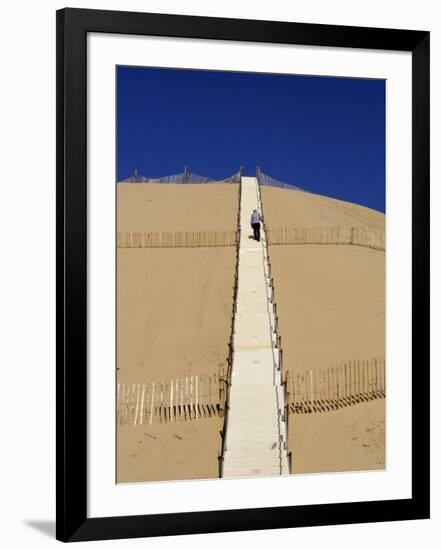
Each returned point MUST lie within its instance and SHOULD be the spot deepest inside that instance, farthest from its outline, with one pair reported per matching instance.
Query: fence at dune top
(349, 235)
(176, 400)
(268, 181)
(175, 239)
(335, 387)
(184, 177)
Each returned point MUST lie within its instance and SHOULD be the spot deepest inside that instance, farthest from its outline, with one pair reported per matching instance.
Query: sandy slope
(331, 303)
(173, 319)
(174, 207)
(331, 307)
(174, 314)
(287, 208)
(179, 450)
(345, 440)
(174, 311)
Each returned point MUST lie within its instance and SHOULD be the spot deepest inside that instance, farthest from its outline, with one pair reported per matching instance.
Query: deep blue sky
(326, 135)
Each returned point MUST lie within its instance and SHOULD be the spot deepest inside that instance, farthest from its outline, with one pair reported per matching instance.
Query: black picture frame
(72, 522)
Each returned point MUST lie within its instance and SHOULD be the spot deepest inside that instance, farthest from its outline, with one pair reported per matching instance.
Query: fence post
(221, 392)
(196, 397)
(286, 379)
(171, 400)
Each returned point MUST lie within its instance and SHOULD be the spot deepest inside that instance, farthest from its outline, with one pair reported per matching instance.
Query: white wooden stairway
(255, 432)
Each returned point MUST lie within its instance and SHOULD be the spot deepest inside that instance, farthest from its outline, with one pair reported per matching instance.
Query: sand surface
(179, 450)
(330, 303)
(331, 308)
(174, 309)
(339, 441)
(174, 316)
(287, 208)
(174, 207)
(174, 312)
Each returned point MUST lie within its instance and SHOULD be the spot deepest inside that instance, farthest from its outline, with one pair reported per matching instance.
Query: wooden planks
(185, 398)
(335, 387)
(202, 396)
(357, 236)
(175, 239)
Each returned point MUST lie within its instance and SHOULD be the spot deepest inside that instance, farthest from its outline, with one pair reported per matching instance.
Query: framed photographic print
(242, 274)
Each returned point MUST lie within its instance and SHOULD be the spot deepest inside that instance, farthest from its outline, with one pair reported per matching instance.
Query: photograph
(220, 334)
(250, 242)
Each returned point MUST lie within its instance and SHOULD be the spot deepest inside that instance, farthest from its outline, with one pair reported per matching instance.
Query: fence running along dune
(335, 387)
(176, 239)
(204, 396)
(264, 179)
(184, 177)
(356, 235)
(180, 399)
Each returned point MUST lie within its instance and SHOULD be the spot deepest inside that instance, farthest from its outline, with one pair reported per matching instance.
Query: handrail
(230, 358)
(275, 337)
(264, 179)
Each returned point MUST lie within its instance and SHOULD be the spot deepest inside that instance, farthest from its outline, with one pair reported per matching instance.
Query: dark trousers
(256, 229)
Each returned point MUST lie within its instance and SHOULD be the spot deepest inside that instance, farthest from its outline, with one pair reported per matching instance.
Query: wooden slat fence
(335, 387)
(202, 396)
(177, 400)
(176, 239)
(357, 235)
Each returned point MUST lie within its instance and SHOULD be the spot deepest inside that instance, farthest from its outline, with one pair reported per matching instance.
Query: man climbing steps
(255, 224)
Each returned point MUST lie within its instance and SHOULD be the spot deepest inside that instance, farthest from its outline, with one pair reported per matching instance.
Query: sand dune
(176, 207)
(350, 439)
(173, 319)
(287, 208)
(180, 450)
(331, 308)
(174, 312)
(330, 302)
(174, 315)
